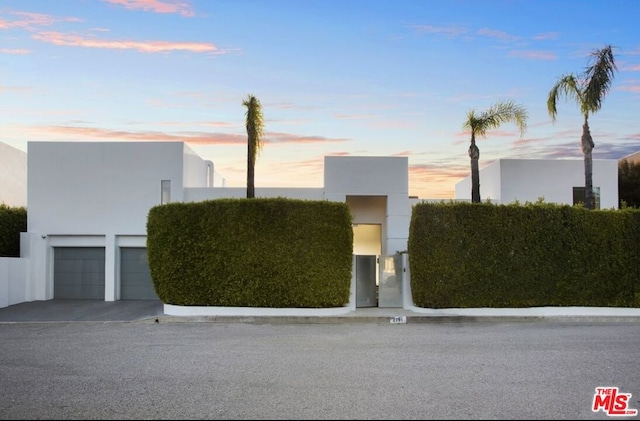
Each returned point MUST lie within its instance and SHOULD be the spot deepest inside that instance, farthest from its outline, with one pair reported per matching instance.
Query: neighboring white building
(558, 181)
(13, 176)
(89, 202)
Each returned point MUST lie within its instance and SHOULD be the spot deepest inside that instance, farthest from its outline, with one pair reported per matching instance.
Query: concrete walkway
(157, 312)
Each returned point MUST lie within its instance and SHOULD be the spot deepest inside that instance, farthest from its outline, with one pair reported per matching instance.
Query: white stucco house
(558, 181)
(87, 207)
(88, 204)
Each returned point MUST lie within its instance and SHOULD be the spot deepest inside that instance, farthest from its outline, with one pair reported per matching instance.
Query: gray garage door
(135, 278)
(78, 273)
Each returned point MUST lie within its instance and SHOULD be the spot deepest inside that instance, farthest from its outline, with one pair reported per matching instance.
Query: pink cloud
(29, 20)
(188, 124)
(15, 51)
(535, 141)
(167, 6)
(71, 40)
(439, 171)
(490, 134)
(533, 55)
(89, 133)
(630, 88)
(306, 167)
(633, 68)
(200, 138)
(292, 138)
(435, 181)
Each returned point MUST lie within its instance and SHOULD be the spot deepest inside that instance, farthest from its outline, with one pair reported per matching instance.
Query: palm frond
(504, 112)
(495, 116)
(471, 122)
(567, 86)
(599, 76)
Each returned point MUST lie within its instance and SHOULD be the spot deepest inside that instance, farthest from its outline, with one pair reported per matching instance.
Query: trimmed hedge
(484, 255)
(251, 253)
(13, 221)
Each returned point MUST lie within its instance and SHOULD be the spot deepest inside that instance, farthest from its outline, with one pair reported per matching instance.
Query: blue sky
(335, 77)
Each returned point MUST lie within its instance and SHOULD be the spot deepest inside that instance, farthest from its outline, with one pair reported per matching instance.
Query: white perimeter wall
(13, 176)
(13, 285)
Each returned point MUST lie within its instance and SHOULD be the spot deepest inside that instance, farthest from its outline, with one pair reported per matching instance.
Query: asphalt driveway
(81, 310)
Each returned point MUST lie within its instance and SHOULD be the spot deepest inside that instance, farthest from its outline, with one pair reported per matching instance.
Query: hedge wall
(251, 253)
(13, 221)
(484, 255)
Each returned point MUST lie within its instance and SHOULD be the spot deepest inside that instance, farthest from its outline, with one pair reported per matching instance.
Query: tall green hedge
(484, 255)
(13, 221)
(251, 253)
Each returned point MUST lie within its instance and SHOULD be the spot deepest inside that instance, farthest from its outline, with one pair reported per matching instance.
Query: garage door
(78, 273)
(135, 277)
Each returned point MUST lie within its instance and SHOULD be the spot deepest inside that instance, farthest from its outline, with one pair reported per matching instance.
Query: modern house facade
(558, 181)
(88, 204)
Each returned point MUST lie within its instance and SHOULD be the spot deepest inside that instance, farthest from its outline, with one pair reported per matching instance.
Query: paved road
(444, 370)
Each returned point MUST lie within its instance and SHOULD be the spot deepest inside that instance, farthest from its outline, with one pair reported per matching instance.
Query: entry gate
(379, 281)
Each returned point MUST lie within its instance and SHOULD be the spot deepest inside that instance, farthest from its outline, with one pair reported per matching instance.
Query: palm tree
(479, 124)
(254, 124)
(589, 90)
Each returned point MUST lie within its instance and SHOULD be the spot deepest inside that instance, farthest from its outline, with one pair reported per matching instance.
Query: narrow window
(165, 191)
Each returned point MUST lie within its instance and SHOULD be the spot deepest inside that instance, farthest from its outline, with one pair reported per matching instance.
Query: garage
(135, 277)
(78, 273)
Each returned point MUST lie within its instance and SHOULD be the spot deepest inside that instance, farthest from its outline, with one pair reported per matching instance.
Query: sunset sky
(335, 77)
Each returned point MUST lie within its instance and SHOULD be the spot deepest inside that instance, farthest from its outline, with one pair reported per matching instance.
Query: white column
(111, 286)
(39, 277)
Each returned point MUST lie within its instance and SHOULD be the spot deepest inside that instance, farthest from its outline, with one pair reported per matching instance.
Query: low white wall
(13, 176)
(13, 275)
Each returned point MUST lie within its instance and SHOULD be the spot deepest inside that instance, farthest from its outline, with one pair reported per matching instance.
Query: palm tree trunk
(251, 159)
(474, 154)
(587, 148)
